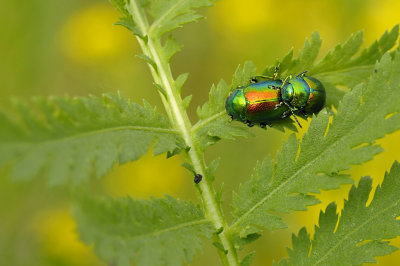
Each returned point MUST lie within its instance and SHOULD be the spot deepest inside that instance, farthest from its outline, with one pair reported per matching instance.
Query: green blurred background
(71, 47)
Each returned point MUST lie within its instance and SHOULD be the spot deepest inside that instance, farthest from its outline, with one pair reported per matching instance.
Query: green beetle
(262, 102)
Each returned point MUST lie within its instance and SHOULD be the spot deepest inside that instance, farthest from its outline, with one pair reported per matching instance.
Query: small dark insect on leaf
(197, 178)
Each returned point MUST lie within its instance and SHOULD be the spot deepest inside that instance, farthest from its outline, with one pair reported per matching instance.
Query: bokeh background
(71, 47)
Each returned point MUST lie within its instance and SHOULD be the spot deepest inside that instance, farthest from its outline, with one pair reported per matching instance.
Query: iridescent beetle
(262, 102)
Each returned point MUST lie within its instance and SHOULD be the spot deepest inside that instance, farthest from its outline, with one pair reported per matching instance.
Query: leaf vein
(170, 229)
(165, 15)
(204, 122)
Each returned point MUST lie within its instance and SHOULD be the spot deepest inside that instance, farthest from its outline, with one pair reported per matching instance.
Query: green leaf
(180, 80)
(305, 59)
(247, 260)
(166, 15)
(186, 101)
(315, 162)
(361, 232)
(172, 14)
(189, 167)
(151, 20)
(214, 123)
(212, 168)
(242, 76)
(149, 232)
(171, 47)
(126, 20)
(220, 247)
(148, 60)
(341, 68)
(74, 138)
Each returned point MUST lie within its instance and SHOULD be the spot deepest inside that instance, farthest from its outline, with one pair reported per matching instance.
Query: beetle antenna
(276, 71)
(285, 81)
(302, 74)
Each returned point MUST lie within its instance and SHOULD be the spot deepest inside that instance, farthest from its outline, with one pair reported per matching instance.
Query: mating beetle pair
(262, 102)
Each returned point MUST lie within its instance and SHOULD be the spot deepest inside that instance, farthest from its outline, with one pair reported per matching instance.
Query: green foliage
(344, 66)
(126, 20)
(73, 138)
(339, 67)
(247, 260)
(315, 162)
(214, 123)
(361, 232)
(166, 15)
(172, 14)
(150, 232)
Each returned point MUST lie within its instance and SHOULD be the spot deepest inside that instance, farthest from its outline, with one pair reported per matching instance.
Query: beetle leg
(231, 118)
(278, 105)
(285, 114)
(274, 76)
(303, 112)
(276, 71)
(257, 78)
(263, 125)
(253, 80)
(249, 124)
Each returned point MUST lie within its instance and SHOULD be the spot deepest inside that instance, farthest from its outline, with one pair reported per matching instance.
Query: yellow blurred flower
(238, 17)
(380, 16)
(56, 232)
(89, 35)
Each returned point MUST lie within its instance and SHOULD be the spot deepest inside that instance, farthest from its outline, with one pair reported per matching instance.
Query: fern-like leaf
(149, 232)
(74, 138)
(340, 67)
(214, 124)
(166, 16)
(172, 14)
(362, 230)
(151, 21)
(367, 113)
(126, 20)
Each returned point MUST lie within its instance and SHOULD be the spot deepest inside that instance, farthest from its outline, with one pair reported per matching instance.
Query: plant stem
(179, 118)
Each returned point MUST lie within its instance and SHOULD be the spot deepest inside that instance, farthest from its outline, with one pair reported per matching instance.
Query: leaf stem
(202, 123)
(177, 114)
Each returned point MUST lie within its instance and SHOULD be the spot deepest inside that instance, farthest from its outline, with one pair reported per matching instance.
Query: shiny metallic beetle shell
(270, 100)
(306, 94)
(256, 103)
